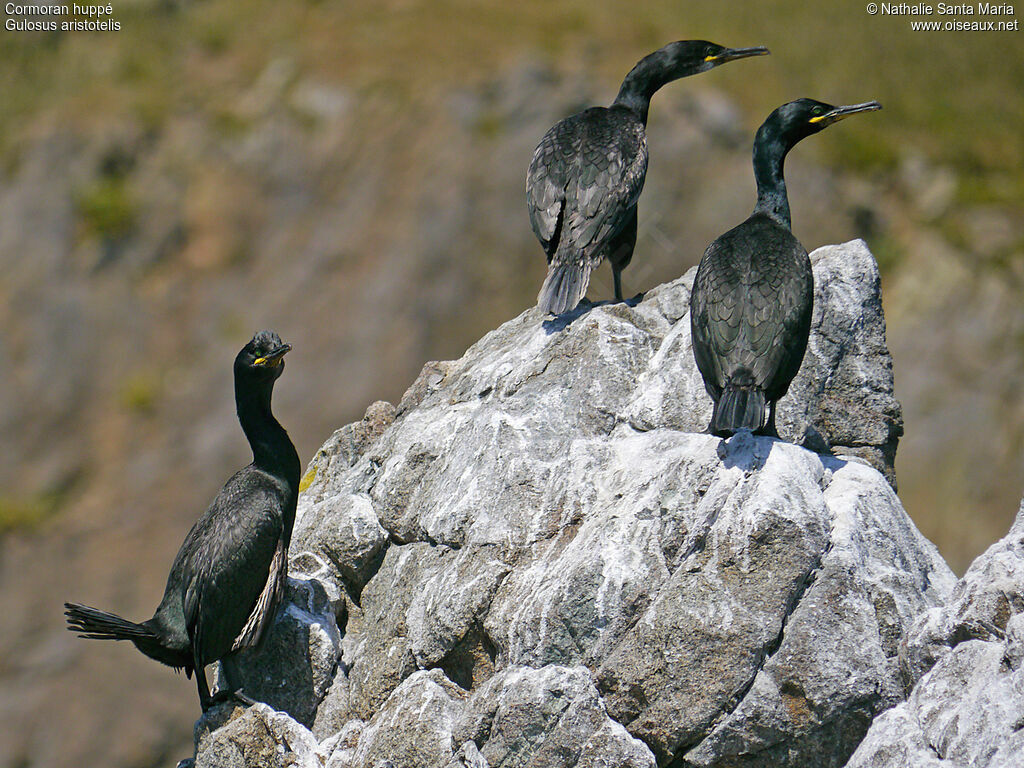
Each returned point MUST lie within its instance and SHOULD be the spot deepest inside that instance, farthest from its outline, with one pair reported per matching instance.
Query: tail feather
(741, 406)
(95, 624)
(563, 287)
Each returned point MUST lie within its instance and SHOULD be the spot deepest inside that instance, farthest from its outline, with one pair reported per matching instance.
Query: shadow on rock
(561, 322)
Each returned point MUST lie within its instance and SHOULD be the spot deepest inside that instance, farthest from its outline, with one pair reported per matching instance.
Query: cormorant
(229, 576)
(750, 310)
(587, 173)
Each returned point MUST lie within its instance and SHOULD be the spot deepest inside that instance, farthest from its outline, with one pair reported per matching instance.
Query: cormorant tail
(100, 625)
(741, 405)
(564, 287)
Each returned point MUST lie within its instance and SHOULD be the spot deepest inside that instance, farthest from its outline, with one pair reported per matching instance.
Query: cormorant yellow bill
(839, 113)
(273, 359)
(731, 54)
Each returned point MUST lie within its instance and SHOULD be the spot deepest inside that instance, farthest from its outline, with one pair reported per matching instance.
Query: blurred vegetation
(105, 207)
(25, 514)
(140, 393)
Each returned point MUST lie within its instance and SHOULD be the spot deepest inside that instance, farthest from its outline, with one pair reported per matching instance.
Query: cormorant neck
(769, 157)
(635, 93)
(272, 450)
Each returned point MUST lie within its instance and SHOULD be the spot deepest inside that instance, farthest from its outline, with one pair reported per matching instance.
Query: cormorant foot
(223, 696)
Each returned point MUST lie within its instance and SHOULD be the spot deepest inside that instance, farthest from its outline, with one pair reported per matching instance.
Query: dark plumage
(750, 310)
(229, 576)
(587, 173)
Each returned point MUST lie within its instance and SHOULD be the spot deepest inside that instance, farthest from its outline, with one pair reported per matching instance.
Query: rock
(340, 748)
(984, 600)
(792, 598)
(551, 717)
(414, 726)
(539, 559)
(334, 712)
(296, 665)
(468, 756)
(967, 707)
(229, 736)
(337, 538)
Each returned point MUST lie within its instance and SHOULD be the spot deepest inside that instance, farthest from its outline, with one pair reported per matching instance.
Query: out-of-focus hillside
(351, 175)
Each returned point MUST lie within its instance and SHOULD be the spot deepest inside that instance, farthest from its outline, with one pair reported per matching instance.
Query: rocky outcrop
(538, 559)
(966, 661)
(229, 736)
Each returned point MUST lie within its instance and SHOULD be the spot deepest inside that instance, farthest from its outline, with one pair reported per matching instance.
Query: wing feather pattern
(751, 307)
(221, 597)
(582, 188)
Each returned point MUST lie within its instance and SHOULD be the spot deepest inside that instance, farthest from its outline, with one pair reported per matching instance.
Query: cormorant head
(689, 57)
(675, 60)
(799, 119)
(262, 358)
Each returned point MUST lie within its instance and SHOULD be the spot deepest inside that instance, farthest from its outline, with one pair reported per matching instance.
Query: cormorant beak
(840, 113)
(272, 359)
(730, 54)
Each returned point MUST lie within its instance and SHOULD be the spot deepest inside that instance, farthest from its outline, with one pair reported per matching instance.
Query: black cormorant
(750, 310)
(229, 576)
(587, 173)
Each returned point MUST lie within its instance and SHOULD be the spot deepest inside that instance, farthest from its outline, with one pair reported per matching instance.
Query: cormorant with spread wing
(229, 576)
(587, 173)
(750, 309)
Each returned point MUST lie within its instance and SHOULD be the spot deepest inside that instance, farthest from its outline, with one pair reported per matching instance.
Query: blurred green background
(351, 174)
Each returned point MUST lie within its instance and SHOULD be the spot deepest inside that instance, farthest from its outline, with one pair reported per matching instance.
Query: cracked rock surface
(537, 559)
(967, 662)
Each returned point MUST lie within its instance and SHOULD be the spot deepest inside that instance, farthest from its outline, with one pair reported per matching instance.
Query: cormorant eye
(818, 111)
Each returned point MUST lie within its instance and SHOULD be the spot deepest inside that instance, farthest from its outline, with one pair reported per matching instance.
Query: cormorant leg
(205, 700)
(769, 430)
(714, 412)
(233, 687)
(620, 251)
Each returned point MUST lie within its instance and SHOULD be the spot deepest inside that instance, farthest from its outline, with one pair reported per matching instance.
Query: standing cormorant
(750, 310)
(229, 576)
(587, 173)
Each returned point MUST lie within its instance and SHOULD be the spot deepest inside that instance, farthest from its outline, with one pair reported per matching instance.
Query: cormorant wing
(585, 179)
(263, 612)
(752, 305)
(545, 184)
(716, 314)
(226, 575)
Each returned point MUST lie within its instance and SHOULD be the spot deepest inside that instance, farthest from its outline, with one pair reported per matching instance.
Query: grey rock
(334, 711)
(551, 717)
(424, 608)
(337, 537)
(795, 590)
(339, 541)
(539, 559)
(468, 756)
(296, 665)
(232, 737)
(983, 601)
(967, 707)
(414, 726)
(340, 748)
